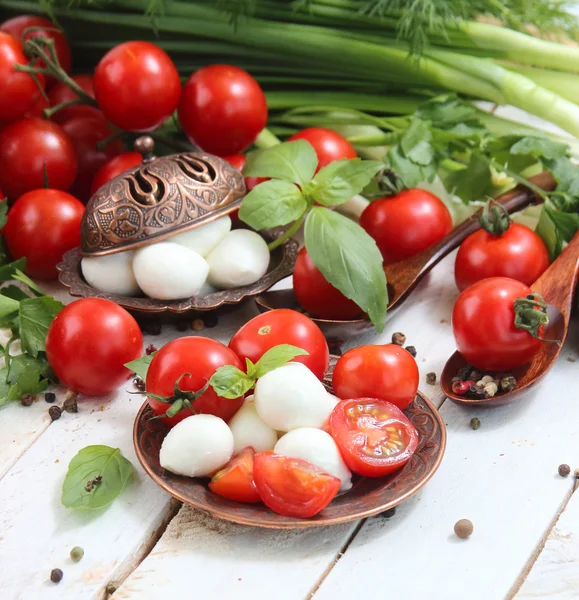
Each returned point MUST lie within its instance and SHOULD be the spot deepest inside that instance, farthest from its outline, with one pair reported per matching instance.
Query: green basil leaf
(295, 162)
(8, 308)
(277, 357)
(7, 271)
(36, 315)
(20, 276)
(342, 179)
(5, 395)
(140, 366)
(89, 464)
(349, 259)
(230, 382)
(37, 368)
(272, 203)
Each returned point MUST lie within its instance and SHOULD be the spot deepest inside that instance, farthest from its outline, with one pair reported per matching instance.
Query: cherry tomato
(222, 109)
(114, 167)
(328, 144)
(19, 91)
(406, 223)
(41, 226)
(283, 326)
(88, 344)
(519, 253)
(86, 132)
(31, 149)
(318, 297)
(137, 86)
(2, 196)
(483, 323)
(388, 372)
(61, 94)
(235, 480)
(374, 437)
(293, 487)
(200, 357)
(47, 30)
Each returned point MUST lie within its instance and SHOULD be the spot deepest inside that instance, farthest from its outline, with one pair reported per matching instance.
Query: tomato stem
(494, 218)
(531, 315)
(52, 110)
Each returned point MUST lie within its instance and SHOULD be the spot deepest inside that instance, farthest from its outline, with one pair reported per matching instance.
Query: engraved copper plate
(368, 496)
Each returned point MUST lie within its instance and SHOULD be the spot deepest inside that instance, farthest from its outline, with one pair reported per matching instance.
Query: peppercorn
(27, 399)
(564, 470)
(50, 397)
(463, 528)
(476, 392)
(70, 404)
(576, 473)
(112, 587)
(485, 379)
(412, 350)
(461, 387)
(139, 384)
(490, 389)
(150, 349)
(76, 553)
(56, 575)
(181, 326)
(54, 412)
(197, 325)
(475, 423)
(508, 383)
(398, 338)
(464, 373)
(152, 328)
(388, 513)
(211, 320)
(475, 375)
(431, 378)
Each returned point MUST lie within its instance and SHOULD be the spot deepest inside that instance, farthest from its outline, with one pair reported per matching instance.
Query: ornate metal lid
(159, 198)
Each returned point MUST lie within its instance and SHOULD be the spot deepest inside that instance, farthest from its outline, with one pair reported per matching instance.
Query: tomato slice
(374, 436)
(293, 487)
(235, 480)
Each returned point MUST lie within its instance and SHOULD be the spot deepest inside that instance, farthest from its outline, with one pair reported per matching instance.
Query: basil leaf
(7, 271)
(90, 464)
(272, 203)
(35, 367)
(295, 162)
(349, 259)
(140, 366)
(342, 179)
(8, 308)
(277, 357)
(20, 276)
(5, 395)
(36, 315)
(230, 382)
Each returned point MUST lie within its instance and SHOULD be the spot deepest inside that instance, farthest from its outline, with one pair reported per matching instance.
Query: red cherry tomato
(85, 133)
(328, 144)
(483, 323)
(114, 167)
(222, 109)
(293, 487)
(318, 297)
(137, 86)
(235, 480)
(388, 372)
(406, 223)
(283, 326)
(374, 437)
(41, 226)
(88, 344)
(47, 30)
(519, 253)
(61, 94)
(31, 149)
(19, 91)
(200, 357)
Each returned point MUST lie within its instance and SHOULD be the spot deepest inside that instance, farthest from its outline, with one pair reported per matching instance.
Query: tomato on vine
(114, 167)
(328, 144)
(62, 94)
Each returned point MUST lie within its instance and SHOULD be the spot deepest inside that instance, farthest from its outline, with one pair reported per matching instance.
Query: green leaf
(140, 366)
(35, 368)
(417, 133)
(20, 276)
(539, 147)
(5, 394)
(410, 173)
(89, 464)
(342, 179)
(271, 204)
(472, 183)
(547, 231)
(36, 315)
(566, 174)
(277, 357)
(11, 291)
(447, 110)
(230, 382)
(295, 162)
(567, 224)
(8, 308)
(7, 271)
(3, 212)
(349, 259)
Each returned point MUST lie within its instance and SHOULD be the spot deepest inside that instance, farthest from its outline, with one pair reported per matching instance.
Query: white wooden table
(503, 477)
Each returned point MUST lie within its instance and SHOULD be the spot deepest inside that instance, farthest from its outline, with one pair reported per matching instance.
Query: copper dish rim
(295, 523)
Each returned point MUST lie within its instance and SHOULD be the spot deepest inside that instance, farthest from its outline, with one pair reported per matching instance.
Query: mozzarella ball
(249, 430)
(112, 273)
(168, 271)
(317, 447)
(241, 258)
(290, 397)
(206, 289)
(334, 399)
(203, 239)
(197, 446)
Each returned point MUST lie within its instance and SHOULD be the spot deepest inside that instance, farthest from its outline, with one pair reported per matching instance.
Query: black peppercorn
(211, 320)
(56, 575)
(431, 378)
(150, 349)
(464, 374)
(398, 338)
(411, 350)
(27, 399)
(139, 384)
(387, 514)
(564, 470)
(508, 383)
(54, 412)
(181, 326)
(475, 423)
(70, 404)
(112, 587)
(152, 328)
(50, 397)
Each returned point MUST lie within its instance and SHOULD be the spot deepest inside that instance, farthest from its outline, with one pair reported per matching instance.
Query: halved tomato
(374, 436)
(293, 487)
(235, 480)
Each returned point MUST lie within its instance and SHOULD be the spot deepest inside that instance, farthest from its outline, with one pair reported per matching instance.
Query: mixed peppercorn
(472, 383)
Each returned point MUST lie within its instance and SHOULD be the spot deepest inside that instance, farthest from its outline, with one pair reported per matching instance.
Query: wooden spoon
(403, 276)
(557, 286)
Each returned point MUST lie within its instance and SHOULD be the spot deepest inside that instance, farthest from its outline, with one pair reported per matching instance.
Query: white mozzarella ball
(241, 258)
(112, 273)
(197, 446)
(249, 430)
(203, 239)
(290, 397)
(168, 271)
(334, 399)
(317, 447)
(206, 289)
